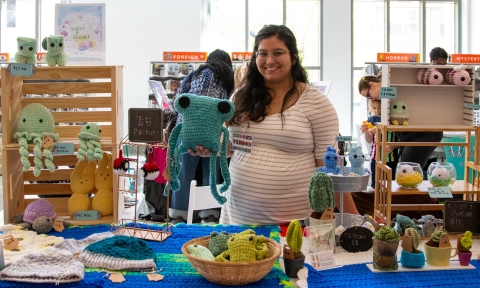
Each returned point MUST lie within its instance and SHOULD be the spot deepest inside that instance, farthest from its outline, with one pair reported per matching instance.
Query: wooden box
(94, 95)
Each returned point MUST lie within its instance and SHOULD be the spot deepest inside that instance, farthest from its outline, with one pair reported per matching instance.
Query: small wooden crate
(98, 88)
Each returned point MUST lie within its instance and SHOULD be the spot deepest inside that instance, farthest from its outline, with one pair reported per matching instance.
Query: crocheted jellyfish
(36, 125)
(89, 137)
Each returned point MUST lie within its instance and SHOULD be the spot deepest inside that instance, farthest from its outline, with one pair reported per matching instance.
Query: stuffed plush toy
(90, 146)
(202, 125)
(27, 50)
(200, 251)
(458, 76)
(330, 160)
(55, 47)
(399, 113)
(429, 76)
(357, 159)
(244, 248)
(82, 182)
(218, 242)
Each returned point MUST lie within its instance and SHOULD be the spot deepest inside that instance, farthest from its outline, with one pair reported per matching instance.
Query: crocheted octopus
(36, 125)
(202, 125)
(89, 137)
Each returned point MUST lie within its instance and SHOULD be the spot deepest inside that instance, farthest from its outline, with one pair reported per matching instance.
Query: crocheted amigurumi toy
(429, 76)
(330, 160)
(458, 76)
(402, 223)
(120, 164)
(440, 176)
(82, 181)
(357, 159)
(56, 55)
(244, 248)
(36, 125)
(26, 50)
(38, 208)
(399, 113)
(203, 117)
(218, 242)
(150, 169)
(200, 251)
(90, 146)
(42, 225)
(103, 199)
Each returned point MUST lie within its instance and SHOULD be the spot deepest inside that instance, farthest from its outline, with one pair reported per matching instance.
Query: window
(11, 20)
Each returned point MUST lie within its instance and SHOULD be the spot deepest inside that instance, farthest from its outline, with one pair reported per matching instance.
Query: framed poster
(83, 26)
(323, 85)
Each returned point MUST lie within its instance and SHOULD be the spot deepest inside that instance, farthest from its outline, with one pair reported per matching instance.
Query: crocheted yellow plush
(103, 199)
(82, 182)
(244, 247)
(202, 124)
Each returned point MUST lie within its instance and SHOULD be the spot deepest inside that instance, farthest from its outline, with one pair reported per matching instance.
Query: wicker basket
(236, 273)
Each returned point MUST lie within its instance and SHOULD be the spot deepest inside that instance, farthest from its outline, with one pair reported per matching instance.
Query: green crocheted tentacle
(37, 152)
(90, 151)
(97, 150)
(175, 165)
(82, 150)
(24, 153)
(294, 236)
(213, 179)
(223, 162)
(47, 152)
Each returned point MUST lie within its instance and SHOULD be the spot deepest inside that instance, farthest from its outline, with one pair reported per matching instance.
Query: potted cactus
(385, 245)
(464, 245)
(293, 257)
(412, 257)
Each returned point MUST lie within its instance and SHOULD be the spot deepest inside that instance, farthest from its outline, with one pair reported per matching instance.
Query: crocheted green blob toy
(90, 147)
(56, 55)
(26, 50)
(218, 242)
(320, 194)
(202, 125)
(200, 252)
(36, 125)
(295, 238)
(244, 248)
(357, 159)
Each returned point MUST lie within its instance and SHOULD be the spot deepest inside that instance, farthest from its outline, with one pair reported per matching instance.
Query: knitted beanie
(50, 265)
(38, 208)
(76, 246)
(119, 253)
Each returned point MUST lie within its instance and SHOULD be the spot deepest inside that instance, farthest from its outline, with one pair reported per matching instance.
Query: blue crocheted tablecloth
(359, 276)
(175, 267)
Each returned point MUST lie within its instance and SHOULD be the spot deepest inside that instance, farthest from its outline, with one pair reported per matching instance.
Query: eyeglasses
(367, 95)
(276, 55)
(435, 62)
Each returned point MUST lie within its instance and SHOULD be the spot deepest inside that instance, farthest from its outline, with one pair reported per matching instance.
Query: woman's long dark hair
(252, 99)
(220, 64)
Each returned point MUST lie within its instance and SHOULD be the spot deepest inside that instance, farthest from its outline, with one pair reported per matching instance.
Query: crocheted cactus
(55, 46)
(294, 237)
(320, 193)
(414, 236)
(466, 242)
(435, 239)
(26, 50)
(357, 159)
(330, 160)
(387, 233)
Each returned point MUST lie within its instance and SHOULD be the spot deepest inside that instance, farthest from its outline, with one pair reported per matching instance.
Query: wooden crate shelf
(97, 96)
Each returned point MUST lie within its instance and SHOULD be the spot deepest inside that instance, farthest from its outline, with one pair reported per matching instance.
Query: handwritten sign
(64, 148)
(58, 226)
(287, 252)
(460, 216)
(356, 239)
(87, 215)
(343, 138)
(145, 125)
(444, 241)
(154, 277)
(388, 92)
(116, 278)
(327, 214)
(323, 260)
(471, 106)
(10, 242)
(407, 243)
(20, 69)
(440, 192)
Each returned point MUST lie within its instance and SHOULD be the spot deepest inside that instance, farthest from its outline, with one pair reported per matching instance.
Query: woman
(213, 79)
(289, 125)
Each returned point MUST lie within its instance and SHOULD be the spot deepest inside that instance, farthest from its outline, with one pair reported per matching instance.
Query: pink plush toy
(429, 76)
(458, 76)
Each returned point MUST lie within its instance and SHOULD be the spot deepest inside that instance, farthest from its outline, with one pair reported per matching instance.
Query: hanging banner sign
(465, 58)
(241, 56)
(398, 57)
(184, 56)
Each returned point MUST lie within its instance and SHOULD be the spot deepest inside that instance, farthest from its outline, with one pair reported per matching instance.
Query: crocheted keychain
(36, 125)
(202, 124)
(90, 147)
(429, 76)
(458, 76)
(150, 169)
(120, 164)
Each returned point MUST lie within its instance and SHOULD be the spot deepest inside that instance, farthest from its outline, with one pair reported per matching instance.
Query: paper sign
(323, 260)
(64, 148)
(58, 226)
(184, 56)
(287, 252)
(47, 141)
(343, 138)
(440, 192)
(407, 243)
(154, 277)
(241, 56)
(327, 214)
(116, 278)
(471, 106)
(465, 58)
(444, 241)
(10, 243)
(388, 92)
(87, 215)
(398, 57)
(19, 69)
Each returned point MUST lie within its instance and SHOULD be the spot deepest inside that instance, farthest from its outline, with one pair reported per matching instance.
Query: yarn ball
(429, 76)
(37, 209)
(42, 225)
(458, 76)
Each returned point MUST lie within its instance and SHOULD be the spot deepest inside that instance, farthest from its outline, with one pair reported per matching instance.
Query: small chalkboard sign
(357, 239)
(460, 216)
(145, 125)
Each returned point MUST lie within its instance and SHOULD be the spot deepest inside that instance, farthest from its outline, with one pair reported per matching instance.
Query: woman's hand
(200, 151)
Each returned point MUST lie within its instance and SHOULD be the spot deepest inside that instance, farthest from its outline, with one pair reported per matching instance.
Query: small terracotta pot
(464, 258)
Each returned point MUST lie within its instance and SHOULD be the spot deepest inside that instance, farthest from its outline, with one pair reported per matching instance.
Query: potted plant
(293, 257)
(464, 245)
(412, 257)
(385, 245)
(436, 253)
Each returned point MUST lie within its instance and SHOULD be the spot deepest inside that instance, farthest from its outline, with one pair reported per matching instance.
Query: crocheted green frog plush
(203, 119)
(244, 247)
(26, 50)
(55, 46)
(200, 251)
(218, 242)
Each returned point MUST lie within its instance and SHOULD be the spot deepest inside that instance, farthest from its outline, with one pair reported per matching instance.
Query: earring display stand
(147, 230)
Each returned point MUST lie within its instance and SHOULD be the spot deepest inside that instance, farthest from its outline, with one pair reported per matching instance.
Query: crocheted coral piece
(50, 265)
(119, 253)
(429, 76)
(103, 199)
(55, 46)
(38, 208)
(26, 50)
(330, 160)
(218, 242)
(200, 251)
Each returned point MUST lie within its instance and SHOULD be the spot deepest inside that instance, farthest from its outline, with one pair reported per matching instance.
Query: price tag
(444, 241)
(58, 226)
(117, 278)
(10, 242)
(323, 260)
(327, 214)
(440, 192)
(154, 277)
(343, 138)
(20, 69)
(47, 141)
(87, 215)
(166, 173)
(471, 106)
(407, 243)
(287, 252)
(64, 148)
(76, 255)
(388, 92)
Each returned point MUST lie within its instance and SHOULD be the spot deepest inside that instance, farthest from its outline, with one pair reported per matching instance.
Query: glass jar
(409, 175)
(441, 174)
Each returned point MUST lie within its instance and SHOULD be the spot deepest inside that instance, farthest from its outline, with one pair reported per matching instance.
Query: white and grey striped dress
(270, 185)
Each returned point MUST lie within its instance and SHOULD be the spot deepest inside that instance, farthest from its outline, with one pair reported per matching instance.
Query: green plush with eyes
(26, 50)
(55, 46)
